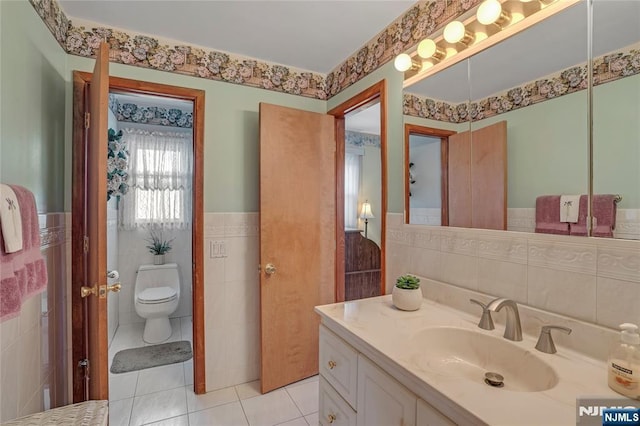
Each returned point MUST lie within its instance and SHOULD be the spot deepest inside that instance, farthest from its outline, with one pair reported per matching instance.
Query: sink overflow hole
(494, 379)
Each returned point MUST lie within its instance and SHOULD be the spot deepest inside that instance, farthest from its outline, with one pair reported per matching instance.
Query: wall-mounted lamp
(404, 62)
(428, 48)
(455, 32)
(490, 12)
(492, 22)
(366, 214)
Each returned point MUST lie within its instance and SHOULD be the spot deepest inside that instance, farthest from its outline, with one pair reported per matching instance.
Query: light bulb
(426, 48)
(454, 31)
(402, 62)
(489, 12)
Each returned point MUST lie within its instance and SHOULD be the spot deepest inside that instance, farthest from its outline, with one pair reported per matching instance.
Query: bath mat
(151, 356)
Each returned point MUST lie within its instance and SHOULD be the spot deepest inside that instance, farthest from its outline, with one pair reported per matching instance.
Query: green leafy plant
(157, 243)
(408, 282)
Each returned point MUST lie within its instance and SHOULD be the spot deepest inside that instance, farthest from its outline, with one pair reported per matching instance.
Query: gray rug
(151, 356)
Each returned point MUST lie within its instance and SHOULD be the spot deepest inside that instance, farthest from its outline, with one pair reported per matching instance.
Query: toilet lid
(157, 295)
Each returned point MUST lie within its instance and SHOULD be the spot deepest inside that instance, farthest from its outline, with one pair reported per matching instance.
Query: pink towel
(604, 213)
(23, 273)
(548, 216)
(579, 229)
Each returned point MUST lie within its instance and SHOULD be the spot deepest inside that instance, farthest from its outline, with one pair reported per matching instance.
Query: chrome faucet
(486, 323)
(545, 342)
(513, 329)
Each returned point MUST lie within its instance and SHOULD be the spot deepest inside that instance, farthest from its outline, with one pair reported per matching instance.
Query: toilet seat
(155, 295)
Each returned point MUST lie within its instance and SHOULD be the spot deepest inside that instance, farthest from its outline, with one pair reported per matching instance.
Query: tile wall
(232, 299)
(34, 349)
(132, 253)
(596, 280)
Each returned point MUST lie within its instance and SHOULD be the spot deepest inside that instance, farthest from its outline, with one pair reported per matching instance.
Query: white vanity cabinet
(382, 401)
(354, 391)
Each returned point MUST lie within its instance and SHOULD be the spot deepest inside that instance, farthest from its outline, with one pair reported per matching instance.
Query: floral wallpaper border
(161, 116)
(419, 22)
(606, 69)
(361, 139)
(406, 31)
(150, 52)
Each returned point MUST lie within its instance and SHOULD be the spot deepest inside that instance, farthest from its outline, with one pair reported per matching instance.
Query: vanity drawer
(332, 409)
(339, 365)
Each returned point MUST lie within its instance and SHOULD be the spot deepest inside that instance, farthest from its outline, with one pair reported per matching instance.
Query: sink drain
(494, 379)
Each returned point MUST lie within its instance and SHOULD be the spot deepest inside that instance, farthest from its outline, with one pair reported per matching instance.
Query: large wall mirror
(616, 112)
(521, 122)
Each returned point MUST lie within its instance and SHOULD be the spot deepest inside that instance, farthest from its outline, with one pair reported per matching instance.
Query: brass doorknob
(85, 291)
(331, 418)
(270, 269)
(114, 287)
(332, 365)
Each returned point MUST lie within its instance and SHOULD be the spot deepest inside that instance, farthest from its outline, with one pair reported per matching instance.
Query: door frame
(81, 81)
(414, 129)
(376, 92)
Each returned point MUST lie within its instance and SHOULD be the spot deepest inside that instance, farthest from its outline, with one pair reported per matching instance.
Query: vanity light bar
(512, 18)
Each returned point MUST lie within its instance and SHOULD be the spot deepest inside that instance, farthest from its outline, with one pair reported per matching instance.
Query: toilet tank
(158, 276)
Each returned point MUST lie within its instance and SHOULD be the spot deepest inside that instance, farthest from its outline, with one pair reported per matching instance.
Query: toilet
(156, 295)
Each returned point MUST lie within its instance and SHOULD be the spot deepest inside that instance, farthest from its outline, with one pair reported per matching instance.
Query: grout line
(294, 402)
(133, 402)
(246, 418)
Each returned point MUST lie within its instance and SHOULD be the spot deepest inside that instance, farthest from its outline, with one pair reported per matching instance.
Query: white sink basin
(469, 354)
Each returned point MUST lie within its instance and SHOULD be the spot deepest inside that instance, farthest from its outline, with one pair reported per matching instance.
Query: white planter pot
(158, 259)
(406, 300)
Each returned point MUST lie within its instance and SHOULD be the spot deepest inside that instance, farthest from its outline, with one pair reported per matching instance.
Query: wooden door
(297, 238)
(460, 180)
(489, 177)
(89, 238)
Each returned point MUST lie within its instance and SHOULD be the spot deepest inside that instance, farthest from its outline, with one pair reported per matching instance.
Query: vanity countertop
(384, 334)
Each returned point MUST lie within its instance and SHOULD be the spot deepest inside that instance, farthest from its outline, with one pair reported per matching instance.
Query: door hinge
(87, 117)
(83, 363)
(85, 244)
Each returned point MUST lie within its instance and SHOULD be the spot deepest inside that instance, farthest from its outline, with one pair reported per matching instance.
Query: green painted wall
(231, 131)
(546, 149)
(32, 124)
(616, 140)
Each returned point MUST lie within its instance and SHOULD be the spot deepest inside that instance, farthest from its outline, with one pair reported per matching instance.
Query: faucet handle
(486, 323)
(545, 341)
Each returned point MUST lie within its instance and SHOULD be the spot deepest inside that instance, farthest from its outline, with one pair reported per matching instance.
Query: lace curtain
(352, 161)
(160, 170)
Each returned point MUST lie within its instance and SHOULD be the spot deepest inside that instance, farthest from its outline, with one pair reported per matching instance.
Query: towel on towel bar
(579, 229)
(548, 216)
(10, 219)
(22, 273)
(604, 216)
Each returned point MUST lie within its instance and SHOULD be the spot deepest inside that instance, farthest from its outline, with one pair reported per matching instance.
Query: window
(160, 169)
(352, 161)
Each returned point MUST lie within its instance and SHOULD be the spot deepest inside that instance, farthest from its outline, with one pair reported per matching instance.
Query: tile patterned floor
(164, 395)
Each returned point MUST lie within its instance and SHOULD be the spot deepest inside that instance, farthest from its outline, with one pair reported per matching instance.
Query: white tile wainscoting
(591, 279)
(232, 299)
(34, 346)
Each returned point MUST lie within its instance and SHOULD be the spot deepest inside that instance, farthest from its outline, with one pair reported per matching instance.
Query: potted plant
(158, 245)
(406, 294)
